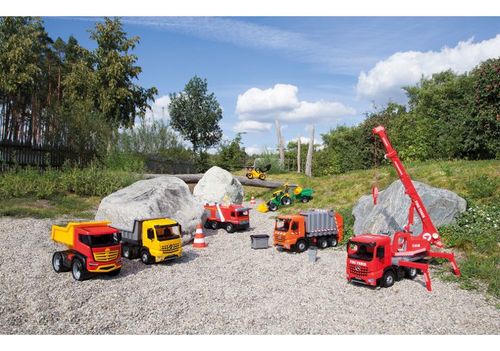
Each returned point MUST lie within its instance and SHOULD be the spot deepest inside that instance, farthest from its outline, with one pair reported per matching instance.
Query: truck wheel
(410, 272)
(262, 176)
(207, 224)
(301, 246)
(388, 279)
(322, 243)
(286, 201)
(305, 199)
(249, 175)
(229, 228)
(214, 225)
(332, 241)
(58, 262)
(146, 257)
(78, 270)
(272, 206)
(127, 252)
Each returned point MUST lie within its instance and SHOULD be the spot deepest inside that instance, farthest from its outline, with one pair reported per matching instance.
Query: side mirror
(151, 234)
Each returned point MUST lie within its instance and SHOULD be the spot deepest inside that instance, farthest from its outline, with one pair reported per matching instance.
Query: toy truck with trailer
(375, 259)
(92, 247)
(322, 228)
(231, 217)
(286, 196)
(153, 240)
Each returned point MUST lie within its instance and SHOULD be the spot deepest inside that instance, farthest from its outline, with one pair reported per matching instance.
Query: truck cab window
(360, 251)
(295, 226)
(282, 224)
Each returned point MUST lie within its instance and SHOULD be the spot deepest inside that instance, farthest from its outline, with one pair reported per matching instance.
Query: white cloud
(281, 102)
(159, 109)
(253, 150)
(385, 80)
(252, 127)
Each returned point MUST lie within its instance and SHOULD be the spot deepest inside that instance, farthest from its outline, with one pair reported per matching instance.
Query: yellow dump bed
(65, 235)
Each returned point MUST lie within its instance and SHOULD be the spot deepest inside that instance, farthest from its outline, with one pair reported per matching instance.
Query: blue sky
(323, 71)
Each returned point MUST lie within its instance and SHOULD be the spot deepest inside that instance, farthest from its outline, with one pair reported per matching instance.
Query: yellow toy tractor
(257, 172)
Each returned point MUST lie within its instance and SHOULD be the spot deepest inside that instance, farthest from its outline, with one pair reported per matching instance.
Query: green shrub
(482, 186)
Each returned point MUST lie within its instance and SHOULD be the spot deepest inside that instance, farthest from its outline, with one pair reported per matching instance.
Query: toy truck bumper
(167, 253)
(103, 267)
(359, 275)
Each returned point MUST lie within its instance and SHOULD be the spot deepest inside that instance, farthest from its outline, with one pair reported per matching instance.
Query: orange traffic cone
(252, 201)
(199, 238)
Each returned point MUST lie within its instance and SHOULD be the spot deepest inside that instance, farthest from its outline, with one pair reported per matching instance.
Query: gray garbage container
(260, 241)
(313, 251)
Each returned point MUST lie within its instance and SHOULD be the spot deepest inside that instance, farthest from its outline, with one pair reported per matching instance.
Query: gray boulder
(167, 197)
(215, 184)
(392, 209)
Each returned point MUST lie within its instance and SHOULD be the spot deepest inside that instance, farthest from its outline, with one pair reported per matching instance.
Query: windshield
(100, 240)
(282, 224)
(165, 232)
(360, 251)
(242, 214)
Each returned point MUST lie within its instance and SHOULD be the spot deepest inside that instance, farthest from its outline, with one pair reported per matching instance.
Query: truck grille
(106, 256)
(279, 238)
(359, 271)
(170, 248)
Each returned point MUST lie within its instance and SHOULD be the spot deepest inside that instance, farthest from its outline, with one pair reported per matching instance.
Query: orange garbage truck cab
(321, 228)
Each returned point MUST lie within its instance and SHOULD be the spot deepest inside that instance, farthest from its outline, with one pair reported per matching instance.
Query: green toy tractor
(286, 196)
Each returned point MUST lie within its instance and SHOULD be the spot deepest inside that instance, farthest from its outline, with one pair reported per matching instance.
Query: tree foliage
(231, 155)
(195, 114)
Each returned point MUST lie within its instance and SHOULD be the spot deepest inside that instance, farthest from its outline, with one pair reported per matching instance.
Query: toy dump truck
(322, 228)
(153, 240)
(92, 247)
(231, 217)
(286, 196)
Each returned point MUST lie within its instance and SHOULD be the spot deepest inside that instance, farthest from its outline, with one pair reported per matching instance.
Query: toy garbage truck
(153, 240)
(318, 227)
(92, 247)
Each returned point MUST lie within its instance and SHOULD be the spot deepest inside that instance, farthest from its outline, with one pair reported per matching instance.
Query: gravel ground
(226, 288)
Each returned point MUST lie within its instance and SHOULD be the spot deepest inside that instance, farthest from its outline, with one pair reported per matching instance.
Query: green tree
(195, 114)
(117, 97)
(482, 134)
(231, 154)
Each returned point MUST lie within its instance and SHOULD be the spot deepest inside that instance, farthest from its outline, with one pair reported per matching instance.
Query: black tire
(229, 228)
(272, 206)
(146, 257)
(388, 279)
(305, 199)
(285, 200)
(127, 252)
(214, 225)
(78, 270)
(262, 176)
(301, 246)
(333, 241)
(322, 243)
(411, 273)
(58, 262)
(115, 272)
(249, 175)
(207, 224)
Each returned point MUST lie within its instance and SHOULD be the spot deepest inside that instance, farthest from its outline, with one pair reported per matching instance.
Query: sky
(322, 69)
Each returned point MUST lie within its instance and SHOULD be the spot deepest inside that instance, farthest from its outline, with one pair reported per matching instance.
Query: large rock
(216, 184)
(392, 209)
(167, 197)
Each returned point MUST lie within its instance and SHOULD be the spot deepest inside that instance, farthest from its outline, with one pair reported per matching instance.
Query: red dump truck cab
(92, 247)
(230, 217)
(368, 257)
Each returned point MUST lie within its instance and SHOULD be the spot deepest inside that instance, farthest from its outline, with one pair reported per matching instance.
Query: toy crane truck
(92, 247)
(153, 240)
(373, 259)
(231, 217)
(322, 228)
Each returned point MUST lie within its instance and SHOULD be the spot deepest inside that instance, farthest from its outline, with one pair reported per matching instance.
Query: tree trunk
(298, 154)
(280, 144)
(310, 153)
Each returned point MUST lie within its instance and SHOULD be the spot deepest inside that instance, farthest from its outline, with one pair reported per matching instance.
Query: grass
(71, 206)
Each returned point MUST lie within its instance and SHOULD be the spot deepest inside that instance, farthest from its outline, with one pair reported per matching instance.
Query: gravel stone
(226, 288)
